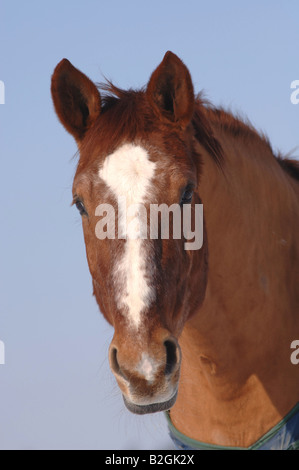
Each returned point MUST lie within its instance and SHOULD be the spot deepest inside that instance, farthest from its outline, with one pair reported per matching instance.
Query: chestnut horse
(203, 333)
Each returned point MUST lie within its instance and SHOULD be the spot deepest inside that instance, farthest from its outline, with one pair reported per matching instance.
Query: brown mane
(130, 112)
(289, 165)
(242, 127)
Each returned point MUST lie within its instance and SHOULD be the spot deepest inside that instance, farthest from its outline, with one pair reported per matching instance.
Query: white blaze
(128, 173)
(147, 367)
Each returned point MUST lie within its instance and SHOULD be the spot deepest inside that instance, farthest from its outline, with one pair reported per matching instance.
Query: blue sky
(56, 390)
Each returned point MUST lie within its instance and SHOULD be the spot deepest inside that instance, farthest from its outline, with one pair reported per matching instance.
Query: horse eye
(187, 195)
(81, 208)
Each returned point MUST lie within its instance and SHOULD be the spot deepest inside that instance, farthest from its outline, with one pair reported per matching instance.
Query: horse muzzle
(147, 373)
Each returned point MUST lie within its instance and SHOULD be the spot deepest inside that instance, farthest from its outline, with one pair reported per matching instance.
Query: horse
(203, 334)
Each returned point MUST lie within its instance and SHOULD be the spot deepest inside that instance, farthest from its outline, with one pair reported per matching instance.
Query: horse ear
(170, 90)
(76, 99)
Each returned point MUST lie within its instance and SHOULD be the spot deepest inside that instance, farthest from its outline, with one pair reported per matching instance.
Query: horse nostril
(171, 356)
(114, 364)
(113, 361)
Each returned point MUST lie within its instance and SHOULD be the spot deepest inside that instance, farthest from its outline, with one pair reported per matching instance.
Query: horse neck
(251, 210)
(238, 342)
